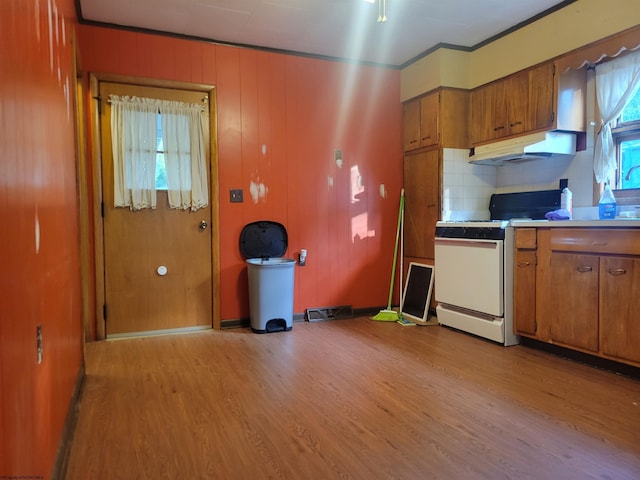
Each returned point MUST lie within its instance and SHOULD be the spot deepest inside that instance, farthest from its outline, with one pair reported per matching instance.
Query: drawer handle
(584, 268)
(600, 243)
(426, 138)
(515, 123)
(524, 264)
(617, 271)
(501, 127)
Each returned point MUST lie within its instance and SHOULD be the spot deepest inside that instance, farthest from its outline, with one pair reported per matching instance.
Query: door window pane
(161, 170)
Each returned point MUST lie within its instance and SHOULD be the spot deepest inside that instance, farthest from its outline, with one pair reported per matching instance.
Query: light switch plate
(236, 195)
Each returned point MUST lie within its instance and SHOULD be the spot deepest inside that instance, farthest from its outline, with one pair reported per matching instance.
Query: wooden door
(411, 125)
(482, 106)
(619, 307)
(574, 300)
(429, 105)
(524, 281)
(516, 88)
(540, 105)
(139, 245)
(422, 203)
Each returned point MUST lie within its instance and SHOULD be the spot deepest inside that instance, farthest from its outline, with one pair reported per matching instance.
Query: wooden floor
(349, 399)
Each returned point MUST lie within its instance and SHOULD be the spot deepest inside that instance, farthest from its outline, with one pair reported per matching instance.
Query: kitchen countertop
(618, 222)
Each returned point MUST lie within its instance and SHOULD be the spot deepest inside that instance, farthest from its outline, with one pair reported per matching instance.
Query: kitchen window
(617, 149)
(626, 135)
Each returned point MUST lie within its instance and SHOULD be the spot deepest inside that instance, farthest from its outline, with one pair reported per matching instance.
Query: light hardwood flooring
(349, 399)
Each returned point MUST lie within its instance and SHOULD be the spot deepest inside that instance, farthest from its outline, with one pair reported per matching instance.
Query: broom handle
(395, 249)
(401, 282)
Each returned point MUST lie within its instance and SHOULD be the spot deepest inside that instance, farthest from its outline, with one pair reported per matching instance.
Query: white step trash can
(270, 277)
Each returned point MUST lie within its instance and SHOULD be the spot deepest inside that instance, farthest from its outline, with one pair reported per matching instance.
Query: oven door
(469, 274)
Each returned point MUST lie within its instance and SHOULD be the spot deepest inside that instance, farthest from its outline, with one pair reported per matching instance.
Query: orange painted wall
(39, 265)
(280, 118)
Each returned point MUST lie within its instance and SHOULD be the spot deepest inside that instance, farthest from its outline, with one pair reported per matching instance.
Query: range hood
(529, 147)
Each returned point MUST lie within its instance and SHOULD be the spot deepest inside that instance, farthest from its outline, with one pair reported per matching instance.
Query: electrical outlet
(236, 195)
(39, 343)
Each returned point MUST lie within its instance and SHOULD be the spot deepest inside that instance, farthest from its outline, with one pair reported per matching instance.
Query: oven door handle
(455, 242)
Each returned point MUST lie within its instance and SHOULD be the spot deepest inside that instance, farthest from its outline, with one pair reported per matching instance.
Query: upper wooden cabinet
(531, 100)
(540, 100)
(439, 118)
(429, 116)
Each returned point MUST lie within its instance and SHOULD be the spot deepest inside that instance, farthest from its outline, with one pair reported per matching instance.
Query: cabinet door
(422, 203)
(482, 107)
(516, 89)
(524, 292)
(541, 81)
(429, 120)
(411, 125)
(574, 300)
(620, 307)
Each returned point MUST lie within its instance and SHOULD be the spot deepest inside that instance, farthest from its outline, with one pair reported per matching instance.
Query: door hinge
(102, 209)
(104, 312)
(535, 259)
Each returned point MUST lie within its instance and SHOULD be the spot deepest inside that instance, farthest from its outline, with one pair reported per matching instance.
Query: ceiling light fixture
(382, 9)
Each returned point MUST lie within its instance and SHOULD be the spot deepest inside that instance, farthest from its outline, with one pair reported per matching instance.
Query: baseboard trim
(59, 471)
(297, 317)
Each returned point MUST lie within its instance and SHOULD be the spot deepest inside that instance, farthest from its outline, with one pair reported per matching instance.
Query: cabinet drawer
(624, 241)
(526, 238)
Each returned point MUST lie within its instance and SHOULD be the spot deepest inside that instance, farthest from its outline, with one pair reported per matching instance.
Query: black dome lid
(263, 239)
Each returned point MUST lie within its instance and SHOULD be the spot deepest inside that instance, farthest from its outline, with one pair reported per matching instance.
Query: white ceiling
(345, 29)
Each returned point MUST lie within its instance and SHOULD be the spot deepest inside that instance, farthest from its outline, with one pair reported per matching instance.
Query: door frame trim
(96, 188)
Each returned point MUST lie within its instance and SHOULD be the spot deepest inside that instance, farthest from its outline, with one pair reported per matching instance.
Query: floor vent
(329, 313)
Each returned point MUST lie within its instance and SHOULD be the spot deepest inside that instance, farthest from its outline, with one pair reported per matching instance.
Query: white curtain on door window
(617, 82)
(183, 138)
(133, 138)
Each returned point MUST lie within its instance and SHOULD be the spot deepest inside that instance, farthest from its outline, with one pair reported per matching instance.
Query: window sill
(627, 197)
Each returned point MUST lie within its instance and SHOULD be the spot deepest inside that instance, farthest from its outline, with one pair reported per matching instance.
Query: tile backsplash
(467, 188)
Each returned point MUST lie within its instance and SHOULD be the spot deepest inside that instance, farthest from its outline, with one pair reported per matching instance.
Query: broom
(388, 315)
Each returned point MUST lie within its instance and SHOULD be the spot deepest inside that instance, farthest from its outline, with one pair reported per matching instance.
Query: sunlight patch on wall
(357, 184)
(360, 228)
(37, 232)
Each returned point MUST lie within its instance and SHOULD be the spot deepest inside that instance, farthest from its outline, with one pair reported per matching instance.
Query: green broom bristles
(386, 316)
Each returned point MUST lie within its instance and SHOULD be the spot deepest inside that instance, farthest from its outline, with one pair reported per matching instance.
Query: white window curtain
(134, 124)
(185, 154)
(617, 82)
(133, 138)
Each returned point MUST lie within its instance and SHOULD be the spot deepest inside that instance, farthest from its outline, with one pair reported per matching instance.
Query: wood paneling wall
(39, 259)
(280, 118)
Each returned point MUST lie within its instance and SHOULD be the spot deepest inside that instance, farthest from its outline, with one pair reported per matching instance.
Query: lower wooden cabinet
(620, 307)
(574, 301)
(524, 281)
(580, 288)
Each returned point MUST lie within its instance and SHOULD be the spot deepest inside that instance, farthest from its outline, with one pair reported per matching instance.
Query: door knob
(203, 225)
